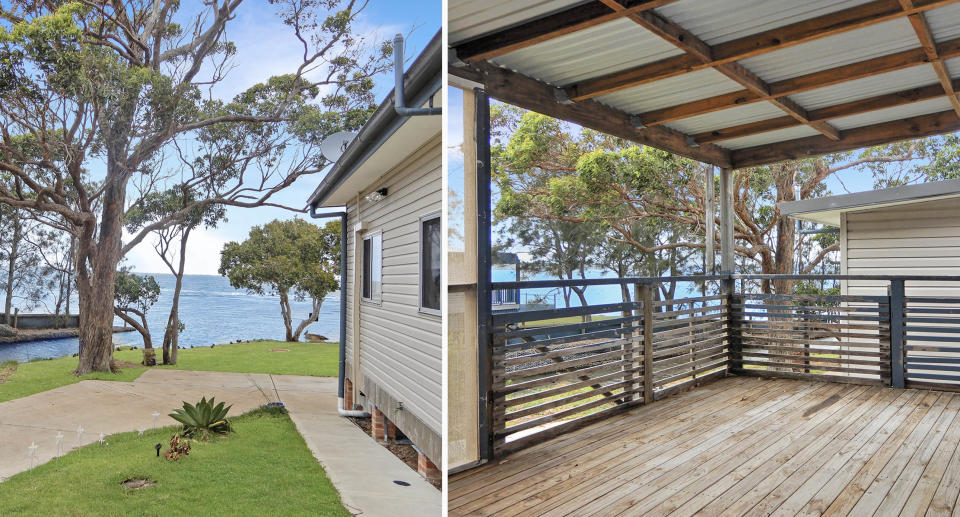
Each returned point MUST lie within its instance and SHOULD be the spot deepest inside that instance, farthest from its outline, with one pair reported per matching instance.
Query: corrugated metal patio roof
(730, 82)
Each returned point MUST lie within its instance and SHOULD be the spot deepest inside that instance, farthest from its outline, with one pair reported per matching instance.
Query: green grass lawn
(317, 359)
(567, 320)
(233, 475)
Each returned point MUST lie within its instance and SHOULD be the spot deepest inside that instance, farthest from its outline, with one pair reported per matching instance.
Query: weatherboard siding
(914, 239)
(400, 347)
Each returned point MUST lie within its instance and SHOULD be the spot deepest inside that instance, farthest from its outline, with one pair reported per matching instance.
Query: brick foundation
(347, 394)
(391, 431)
(427, 469)
(378, 425)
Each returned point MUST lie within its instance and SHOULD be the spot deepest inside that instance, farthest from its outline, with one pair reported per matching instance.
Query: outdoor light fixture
(376, 195)
(158, 447)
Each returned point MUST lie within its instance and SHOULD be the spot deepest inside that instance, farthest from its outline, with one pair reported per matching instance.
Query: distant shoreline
(27, 335)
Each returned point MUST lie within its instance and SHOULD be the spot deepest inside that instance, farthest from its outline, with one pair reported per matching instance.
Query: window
(372, 267)
(430, 264)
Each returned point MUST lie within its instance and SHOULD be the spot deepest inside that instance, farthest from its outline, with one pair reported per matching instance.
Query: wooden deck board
(739, 446)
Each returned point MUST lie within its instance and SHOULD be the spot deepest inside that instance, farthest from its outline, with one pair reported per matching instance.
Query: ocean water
(213, 312)
(594, 294)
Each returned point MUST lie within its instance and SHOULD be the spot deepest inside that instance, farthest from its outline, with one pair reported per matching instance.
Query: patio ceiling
(734, 83)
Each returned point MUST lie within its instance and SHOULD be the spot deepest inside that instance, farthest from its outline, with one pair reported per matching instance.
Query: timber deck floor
(739, 446)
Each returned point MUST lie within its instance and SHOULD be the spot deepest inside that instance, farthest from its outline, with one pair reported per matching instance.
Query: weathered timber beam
(846, 109)
(850, 72)
(929, 45)
(568, 21)
(768, 41)
(856, 138)
(692, 45)
(519, 90)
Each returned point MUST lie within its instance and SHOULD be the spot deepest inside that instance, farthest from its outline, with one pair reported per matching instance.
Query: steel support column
(484, 261)
(726, 226)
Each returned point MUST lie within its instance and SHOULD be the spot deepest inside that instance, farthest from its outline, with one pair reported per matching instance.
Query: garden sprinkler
(59, 444)
(79, 433)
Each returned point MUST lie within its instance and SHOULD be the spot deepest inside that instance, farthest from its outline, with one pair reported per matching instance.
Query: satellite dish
(336, 144)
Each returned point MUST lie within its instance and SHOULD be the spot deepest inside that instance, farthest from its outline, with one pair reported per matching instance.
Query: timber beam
(821, 79)
(846, 109)
(565, 22)
(522, 91)
(856, 138)
(768, 41)
(698, 49)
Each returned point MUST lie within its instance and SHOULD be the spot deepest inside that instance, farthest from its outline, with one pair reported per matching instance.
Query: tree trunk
(171, 336)
(97, 261)
(11, 268)
(96, 325)
(70, 266)
(149, 354)
(285, 312)
(305, 323)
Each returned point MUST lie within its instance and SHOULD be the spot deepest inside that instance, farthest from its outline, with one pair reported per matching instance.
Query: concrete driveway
(361, 470)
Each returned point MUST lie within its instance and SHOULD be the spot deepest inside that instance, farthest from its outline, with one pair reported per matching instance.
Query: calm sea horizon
(213, 312)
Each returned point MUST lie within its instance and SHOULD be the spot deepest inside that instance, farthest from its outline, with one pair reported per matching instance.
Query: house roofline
(421, 82)
(846, 202)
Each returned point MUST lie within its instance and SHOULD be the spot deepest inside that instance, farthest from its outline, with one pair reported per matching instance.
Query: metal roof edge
(421, 81)
(872, 197)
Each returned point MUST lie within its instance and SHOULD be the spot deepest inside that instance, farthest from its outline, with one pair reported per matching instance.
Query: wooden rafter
(571, 20)
(929, 45)
(694, 46)
(519, 90)
(846, 109)
(823, 78)
(749, 46)
(856, 138)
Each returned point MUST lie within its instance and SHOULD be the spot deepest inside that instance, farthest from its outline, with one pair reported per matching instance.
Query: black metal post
(484, 261)
(897, 312)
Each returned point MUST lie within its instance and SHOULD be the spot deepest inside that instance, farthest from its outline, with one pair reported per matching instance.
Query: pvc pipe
(356, 413)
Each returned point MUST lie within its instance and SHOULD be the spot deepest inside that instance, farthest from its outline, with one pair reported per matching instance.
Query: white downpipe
(355, 413)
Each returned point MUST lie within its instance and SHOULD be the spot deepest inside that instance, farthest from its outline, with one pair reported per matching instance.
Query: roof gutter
(422, 81)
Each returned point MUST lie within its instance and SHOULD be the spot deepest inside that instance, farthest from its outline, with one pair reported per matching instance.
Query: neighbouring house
(908, 230)
(388, 186)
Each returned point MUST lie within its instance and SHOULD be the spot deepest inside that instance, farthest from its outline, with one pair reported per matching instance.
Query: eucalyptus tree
(171, 245)
(133, 296)
(24, 277)
(546, 170)
(290, 259)
(106, 90)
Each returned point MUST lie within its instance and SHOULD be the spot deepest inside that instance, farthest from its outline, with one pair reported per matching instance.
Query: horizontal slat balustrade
(554, 370)
(826, 336)
(558, 369)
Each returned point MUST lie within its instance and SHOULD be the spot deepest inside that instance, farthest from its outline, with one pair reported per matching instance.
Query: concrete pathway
(362, 470)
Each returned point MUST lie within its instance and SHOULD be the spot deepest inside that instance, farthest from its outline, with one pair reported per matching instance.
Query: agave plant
(202, 419)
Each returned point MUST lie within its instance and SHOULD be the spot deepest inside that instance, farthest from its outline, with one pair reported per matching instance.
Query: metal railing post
(734, 319)
(647, 298)
(485, 346)
(897, 312)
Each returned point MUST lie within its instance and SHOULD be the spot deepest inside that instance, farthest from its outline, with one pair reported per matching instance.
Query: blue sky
(266, 47)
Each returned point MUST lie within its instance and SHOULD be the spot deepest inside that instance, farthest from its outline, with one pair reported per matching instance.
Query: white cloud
(203, 254)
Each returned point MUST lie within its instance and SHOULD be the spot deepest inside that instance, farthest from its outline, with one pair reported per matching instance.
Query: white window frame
(376, 288)
(427, 217)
